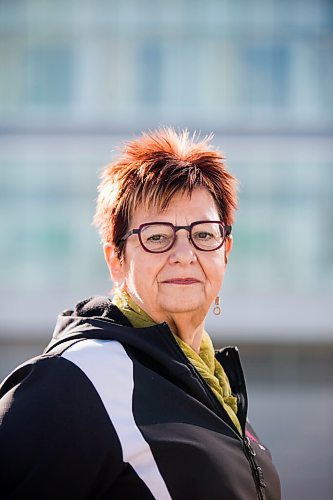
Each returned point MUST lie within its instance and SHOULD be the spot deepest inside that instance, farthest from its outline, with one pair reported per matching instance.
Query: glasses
(158, 237)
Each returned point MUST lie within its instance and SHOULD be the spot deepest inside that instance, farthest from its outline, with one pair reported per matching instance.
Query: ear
(227, 247)
(113, 263)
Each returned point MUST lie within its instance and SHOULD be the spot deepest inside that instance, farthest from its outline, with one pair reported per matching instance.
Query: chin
(181, 307)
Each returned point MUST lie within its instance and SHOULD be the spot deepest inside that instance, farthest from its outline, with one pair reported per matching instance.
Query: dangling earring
(217, 309)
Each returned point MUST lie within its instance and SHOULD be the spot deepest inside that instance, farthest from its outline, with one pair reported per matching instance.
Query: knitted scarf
(204, 362)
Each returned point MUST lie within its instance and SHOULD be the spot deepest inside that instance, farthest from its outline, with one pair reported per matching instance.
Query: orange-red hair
(154, 167)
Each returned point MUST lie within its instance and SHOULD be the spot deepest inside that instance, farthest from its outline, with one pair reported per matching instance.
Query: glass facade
(227, 64)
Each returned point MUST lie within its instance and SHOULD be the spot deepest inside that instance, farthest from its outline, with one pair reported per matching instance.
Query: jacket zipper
(256, 470)
(249, 452)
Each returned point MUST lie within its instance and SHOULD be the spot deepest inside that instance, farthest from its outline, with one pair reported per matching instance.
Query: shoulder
(66, 364)
(77, 380)
(46, 391)
(42, 374)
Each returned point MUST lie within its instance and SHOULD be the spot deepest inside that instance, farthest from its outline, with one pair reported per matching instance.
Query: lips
(182, 281)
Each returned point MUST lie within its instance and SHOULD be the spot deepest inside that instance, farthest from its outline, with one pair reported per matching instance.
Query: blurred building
(78, 77)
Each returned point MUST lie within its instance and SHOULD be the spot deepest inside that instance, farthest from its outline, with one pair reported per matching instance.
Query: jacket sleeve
(56, 439)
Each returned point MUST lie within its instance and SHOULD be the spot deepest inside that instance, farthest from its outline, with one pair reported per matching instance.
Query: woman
(129, 400)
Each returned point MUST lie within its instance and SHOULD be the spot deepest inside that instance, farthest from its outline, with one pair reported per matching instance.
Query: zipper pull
(248, 445)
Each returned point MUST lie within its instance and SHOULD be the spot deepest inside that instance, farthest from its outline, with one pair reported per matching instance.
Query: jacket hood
(83, 316)
(98, 318)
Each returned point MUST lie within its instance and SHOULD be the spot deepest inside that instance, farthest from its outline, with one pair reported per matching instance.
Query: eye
(158, 237)
(203, 235)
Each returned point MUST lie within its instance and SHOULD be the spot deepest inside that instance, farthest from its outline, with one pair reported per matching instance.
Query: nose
(182, 251)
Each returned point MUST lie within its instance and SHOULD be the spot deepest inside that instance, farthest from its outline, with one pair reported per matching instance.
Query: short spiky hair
(151, 170)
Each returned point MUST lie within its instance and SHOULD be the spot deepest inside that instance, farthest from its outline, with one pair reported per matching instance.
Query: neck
(190, 332)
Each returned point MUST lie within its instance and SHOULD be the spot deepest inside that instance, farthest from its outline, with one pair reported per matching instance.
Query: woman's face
(154, 281)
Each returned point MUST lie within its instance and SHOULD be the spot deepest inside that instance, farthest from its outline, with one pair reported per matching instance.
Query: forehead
(200, 205)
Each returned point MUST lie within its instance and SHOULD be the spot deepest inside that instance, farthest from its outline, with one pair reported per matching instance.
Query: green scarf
(205, 362)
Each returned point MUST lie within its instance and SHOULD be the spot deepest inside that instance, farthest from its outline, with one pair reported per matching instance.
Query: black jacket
(114, 412)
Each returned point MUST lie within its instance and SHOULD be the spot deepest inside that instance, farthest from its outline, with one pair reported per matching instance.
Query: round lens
(157, 237)
(207, 235)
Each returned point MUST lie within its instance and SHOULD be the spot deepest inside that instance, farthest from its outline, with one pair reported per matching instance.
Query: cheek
(143, 270)
(214, 270)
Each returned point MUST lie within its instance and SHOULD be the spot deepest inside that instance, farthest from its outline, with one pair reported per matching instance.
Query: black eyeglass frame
(226, 230)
